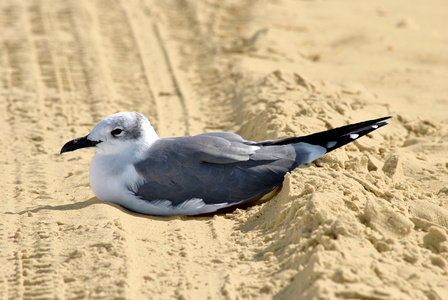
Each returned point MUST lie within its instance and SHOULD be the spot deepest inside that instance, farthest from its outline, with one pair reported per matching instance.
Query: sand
(368, 221)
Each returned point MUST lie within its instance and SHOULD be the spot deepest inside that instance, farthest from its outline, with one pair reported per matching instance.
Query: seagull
(198, 174)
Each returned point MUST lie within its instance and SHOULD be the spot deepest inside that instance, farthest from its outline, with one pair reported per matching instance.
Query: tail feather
(333, 138)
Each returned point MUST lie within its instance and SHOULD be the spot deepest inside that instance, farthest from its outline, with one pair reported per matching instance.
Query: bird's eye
(116, 132)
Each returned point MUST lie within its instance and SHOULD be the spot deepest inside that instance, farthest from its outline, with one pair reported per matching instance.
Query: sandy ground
(368, 221)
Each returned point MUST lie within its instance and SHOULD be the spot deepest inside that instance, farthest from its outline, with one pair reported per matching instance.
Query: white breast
(111, 179)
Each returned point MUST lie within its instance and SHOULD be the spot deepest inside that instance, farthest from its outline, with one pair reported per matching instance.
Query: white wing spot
(374, 126)
(354, 136)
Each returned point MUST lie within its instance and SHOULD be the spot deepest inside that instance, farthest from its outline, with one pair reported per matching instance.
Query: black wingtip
(380, 119)
(324, 137)
(341, 136)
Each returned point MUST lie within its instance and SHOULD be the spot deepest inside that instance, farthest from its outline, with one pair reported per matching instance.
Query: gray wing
(216, 167)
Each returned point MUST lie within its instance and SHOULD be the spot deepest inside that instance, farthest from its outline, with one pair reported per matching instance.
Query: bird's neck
(150, 135)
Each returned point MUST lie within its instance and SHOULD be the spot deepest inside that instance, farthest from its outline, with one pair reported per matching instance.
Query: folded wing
(221, 167)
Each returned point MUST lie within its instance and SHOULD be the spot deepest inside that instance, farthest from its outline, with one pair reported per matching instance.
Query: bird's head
(116, 134)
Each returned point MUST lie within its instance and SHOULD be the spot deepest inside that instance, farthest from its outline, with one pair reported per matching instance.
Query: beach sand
(367, 221)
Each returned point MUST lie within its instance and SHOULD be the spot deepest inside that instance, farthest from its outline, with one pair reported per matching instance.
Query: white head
(115, 134)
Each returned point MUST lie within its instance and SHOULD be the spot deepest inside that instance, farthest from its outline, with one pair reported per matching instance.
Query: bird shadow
(96, 201)
(64, 207)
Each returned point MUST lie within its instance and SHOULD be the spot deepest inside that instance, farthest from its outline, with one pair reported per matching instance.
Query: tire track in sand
(34, 273)
(68, 65)
(50, 82)
(139, 67)
(184, 257)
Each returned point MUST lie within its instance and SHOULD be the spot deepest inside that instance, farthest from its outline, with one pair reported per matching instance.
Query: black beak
(82, 142)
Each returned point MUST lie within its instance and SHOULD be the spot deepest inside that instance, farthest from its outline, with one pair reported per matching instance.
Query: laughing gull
(197, 174)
